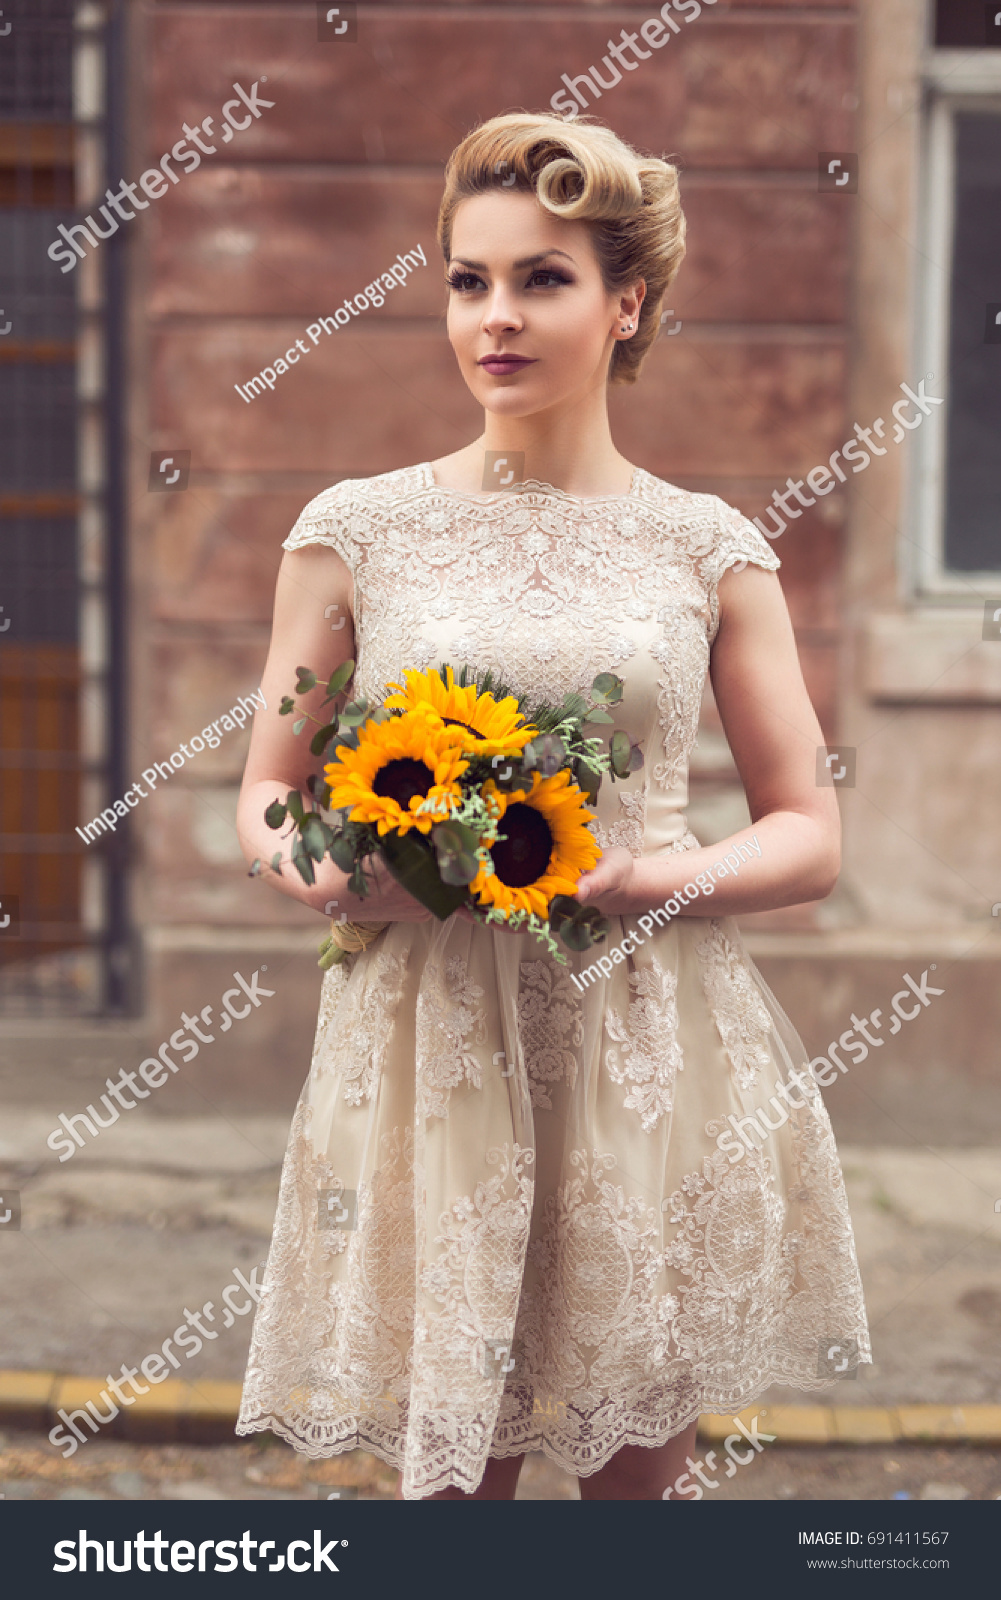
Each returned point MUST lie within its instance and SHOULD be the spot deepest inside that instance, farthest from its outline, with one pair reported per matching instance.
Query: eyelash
(457, 278)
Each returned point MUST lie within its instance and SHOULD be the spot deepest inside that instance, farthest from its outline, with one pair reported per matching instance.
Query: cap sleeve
(328, 520)
(737, 542)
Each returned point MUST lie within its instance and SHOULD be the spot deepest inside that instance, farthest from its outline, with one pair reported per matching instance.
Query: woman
(572, 1210)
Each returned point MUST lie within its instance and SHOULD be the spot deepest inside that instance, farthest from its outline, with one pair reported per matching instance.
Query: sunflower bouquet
(469, 797)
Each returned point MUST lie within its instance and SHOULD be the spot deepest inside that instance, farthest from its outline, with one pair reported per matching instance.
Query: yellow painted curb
(916, 1424)
(24, 1398)
(864, 1425)
(922, 1424)
(206, 1412)
(197, 1413)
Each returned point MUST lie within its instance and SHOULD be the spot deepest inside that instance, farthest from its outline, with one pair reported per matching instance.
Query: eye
(462, 282)
(552, 274)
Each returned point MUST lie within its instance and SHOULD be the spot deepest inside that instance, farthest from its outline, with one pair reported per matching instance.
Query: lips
(501, 365)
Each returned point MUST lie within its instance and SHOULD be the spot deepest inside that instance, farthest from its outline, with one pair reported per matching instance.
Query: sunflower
(489, 727)
(398, 764)
(548, 845)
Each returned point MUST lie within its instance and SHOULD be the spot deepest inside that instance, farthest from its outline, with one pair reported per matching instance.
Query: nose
(501, 314)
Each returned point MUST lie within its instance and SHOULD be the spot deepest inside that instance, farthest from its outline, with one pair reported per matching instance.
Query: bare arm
(773, 733)
(310, 582)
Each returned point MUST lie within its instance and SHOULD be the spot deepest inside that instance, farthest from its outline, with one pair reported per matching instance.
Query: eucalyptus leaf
(412, 862)
(620, 748)
(459, 867)
(599, 715)
(550, 754)
(575, 935)
(293, 801)
(451, 837)
(608, 687)
(354, 714)
(339, 678)
(341, 853)
(276, 862)
(287, 705)
(574, 705)
(313, 842)
(319, 789)
(302, 863)
(306, 680)
(322, 738)
(275, 814)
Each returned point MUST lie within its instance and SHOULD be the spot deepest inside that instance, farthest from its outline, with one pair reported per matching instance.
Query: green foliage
(577, 925)
(437, 869)
(412, 862)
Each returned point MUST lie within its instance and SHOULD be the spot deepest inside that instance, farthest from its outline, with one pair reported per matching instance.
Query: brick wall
(320, 194)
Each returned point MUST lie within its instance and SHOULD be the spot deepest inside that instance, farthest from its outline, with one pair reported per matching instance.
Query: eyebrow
(526, 261)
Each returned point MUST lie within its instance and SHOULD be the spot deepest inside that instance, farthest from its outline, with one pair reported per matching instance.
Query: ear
(628, 312)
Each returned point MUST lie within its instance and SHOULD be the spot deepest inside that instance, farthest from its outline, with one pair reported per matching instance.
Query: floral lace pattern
(448, 1024)
(630, 830)
(550, 1027)
(650, 1058)
(546, 1233)
(546, 589)
(354, 1049)
(736, 1004)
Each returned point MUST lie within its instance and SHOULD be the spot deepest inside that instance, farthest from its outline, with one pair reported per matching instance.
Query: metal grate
(60, 533)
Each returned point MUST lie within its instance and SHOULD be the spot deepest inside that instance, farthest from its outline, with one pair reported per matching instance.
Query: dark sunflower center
(455, 722)
(524, 855)
(401, 779)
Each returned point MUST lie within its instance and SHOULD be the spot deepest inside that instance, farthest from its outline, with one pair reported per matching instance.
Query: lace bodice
(548, 589)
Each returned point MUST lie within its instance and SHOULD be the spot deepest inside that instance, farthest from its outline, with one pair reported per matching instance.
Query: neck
(570, 448)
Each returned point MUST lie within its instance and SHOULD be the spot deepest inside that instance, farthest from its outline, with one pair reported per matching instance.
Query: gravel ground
(267, 1469)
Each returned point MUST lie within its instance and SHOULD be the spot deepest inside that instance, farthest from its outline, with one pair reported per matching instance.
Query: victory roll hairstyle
(588, 174)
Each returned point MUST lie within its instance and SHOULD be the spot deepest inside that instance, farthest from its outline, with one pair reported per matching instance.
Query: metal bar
(121, 977)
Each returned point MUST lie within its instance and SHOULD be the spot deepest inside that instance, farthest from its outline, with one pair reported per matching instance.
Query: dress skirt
(524, 1212)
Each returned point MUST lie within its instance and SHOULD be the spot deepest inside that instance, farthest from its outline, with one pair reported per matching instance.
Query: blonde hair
(584, 173)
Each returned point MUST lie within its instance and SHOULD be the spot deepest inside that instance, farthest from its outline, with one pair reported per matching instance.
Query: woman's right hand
(386, 901)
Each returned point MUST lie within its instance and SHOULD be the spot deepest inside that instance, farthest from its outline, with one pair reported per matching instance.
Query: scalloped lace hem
(629, 1428)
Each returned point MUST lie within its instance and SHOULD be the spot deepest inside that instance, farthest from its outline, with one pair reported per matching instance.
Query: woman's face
(526, 284)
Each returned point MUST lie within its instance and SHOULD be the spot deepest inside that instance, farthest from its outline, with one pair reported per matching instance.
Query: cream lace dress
(505, 1220)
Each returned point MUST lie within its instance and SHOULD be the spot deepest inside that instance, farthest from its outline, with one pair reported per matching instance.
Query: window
(957, 498)
(66, 950)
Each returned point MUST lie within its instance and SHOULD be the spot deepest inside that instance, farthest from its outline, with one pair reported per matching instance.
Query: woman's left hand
(609, 885)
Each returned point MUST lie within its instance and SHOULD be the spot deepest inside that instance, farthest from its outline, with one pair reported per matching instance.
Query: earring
(627, 328)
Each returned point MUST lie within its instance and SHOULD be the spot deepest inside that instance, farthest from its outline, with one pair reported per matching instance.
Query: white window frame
(955, 80)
